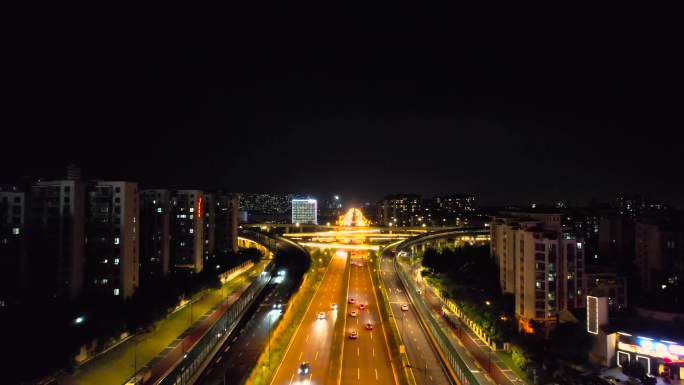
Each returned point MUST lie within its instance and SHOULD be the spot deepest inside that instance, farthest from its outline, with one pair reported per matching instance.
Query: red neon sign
(199, 207)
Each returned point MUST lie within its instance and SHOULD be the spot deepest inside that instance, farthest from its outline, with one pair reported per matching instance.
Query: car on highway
(404, 307)
(353, 335)
(321, 315)
(277, 306)
(333, 306)
(353, 313)
(351, 300)
(612, 380)
(369, 326)
(362, 306)
(304, 368)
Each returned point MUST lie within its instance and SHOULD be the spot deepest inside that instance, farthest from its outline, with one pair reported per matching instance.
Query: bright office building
(305, 211)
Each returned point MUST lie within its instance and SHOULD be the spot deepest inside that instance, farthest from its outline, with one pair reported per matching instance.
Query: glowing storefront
(657, 356)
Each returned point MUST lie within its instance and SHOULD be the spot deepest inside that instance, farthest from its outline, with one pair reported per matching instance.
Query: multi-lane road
(366, 359)
(239, 354)
(425, 363)
(314, 337)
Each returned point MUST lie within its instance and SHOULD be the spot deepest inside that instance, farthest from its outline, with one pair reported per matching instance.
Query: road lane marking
(358, 352)
(376, 374)
(300, 356)
(358, 373)
(291, 378)
(307, 338)
(219, 359)
(315, 358)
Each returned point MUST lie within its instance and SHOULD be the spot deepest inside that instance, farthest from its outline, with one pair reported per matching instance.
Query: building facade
(209, 222)
(305, 211)
(187, 231)
(13, 244)
(400, 210)
(541, 266)
(226, 210)
(112, 238)
(155, 233)
(659, 253)
(607, 285)
(57, 219)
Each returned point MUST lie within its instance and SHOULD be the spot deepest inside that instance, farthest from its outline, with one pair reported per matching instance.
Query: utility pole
(269, 340)
(191, 312)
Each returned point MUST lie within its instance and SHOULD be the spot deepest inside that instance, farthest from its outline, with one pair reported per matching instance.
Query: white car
(321, 315)
(333, 306)
(353, 313)
(404, 307)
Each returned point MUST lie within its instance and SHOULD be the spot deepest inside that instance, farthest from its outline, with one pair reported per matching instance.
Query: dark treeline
(42, 337)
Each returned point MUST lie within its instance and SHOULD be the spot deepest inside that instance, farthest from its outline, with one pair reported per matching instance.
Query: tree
(570, 334)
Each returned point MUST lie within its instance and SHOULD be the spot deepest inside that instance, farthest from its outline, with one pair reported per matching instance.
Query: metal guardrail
(458, 366)
(418, 239)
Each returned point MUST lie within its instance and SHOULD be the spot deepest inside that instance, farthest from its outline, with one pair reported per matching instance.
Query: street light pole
(269, 340)
(135, 356)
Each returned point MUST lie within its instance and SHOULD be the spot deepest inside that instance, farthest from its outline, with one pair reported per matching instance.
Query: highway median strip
(394, 337)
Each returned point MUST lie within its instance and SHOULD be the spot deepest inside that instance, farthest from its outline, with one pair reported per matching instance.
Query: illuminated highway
(426, 365)
(313, 339)
(366, 360)
(323, 342)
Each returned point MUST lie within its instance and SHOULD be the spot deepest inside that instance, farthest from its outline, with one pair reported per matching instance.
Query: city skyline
(295, 193)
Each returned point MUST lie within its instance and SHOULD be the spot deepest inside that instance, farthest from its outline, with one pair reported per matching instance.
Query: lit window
(116, 261)
(16, 231)
(192, 231)
(116, 291)
(159, 209)
(117, 240)
(192, 209)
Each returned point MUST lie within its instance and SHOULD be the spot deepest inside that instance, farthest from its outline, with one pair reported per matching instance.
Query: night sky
(509, 102)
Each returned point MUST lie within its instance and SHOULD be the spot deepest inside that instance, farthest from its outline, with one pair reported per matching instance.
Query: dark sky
(508, 102)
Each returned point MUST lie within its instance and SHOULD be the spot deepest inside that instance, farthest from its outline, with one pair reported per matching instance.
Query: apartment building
(541, 266)
(13, 242)
(155, 233)
(56, 218)
(112, 238)
(187, 231)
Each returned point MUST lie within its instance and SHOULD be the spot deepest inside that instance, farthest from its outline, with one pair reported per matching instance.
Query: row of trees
(469, 277)
(43, 336)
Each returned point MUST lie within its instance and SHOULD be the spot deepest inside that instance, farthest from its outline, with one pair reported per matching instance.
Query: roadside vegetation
(468, 276)
(118, 364)
(40, 348)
